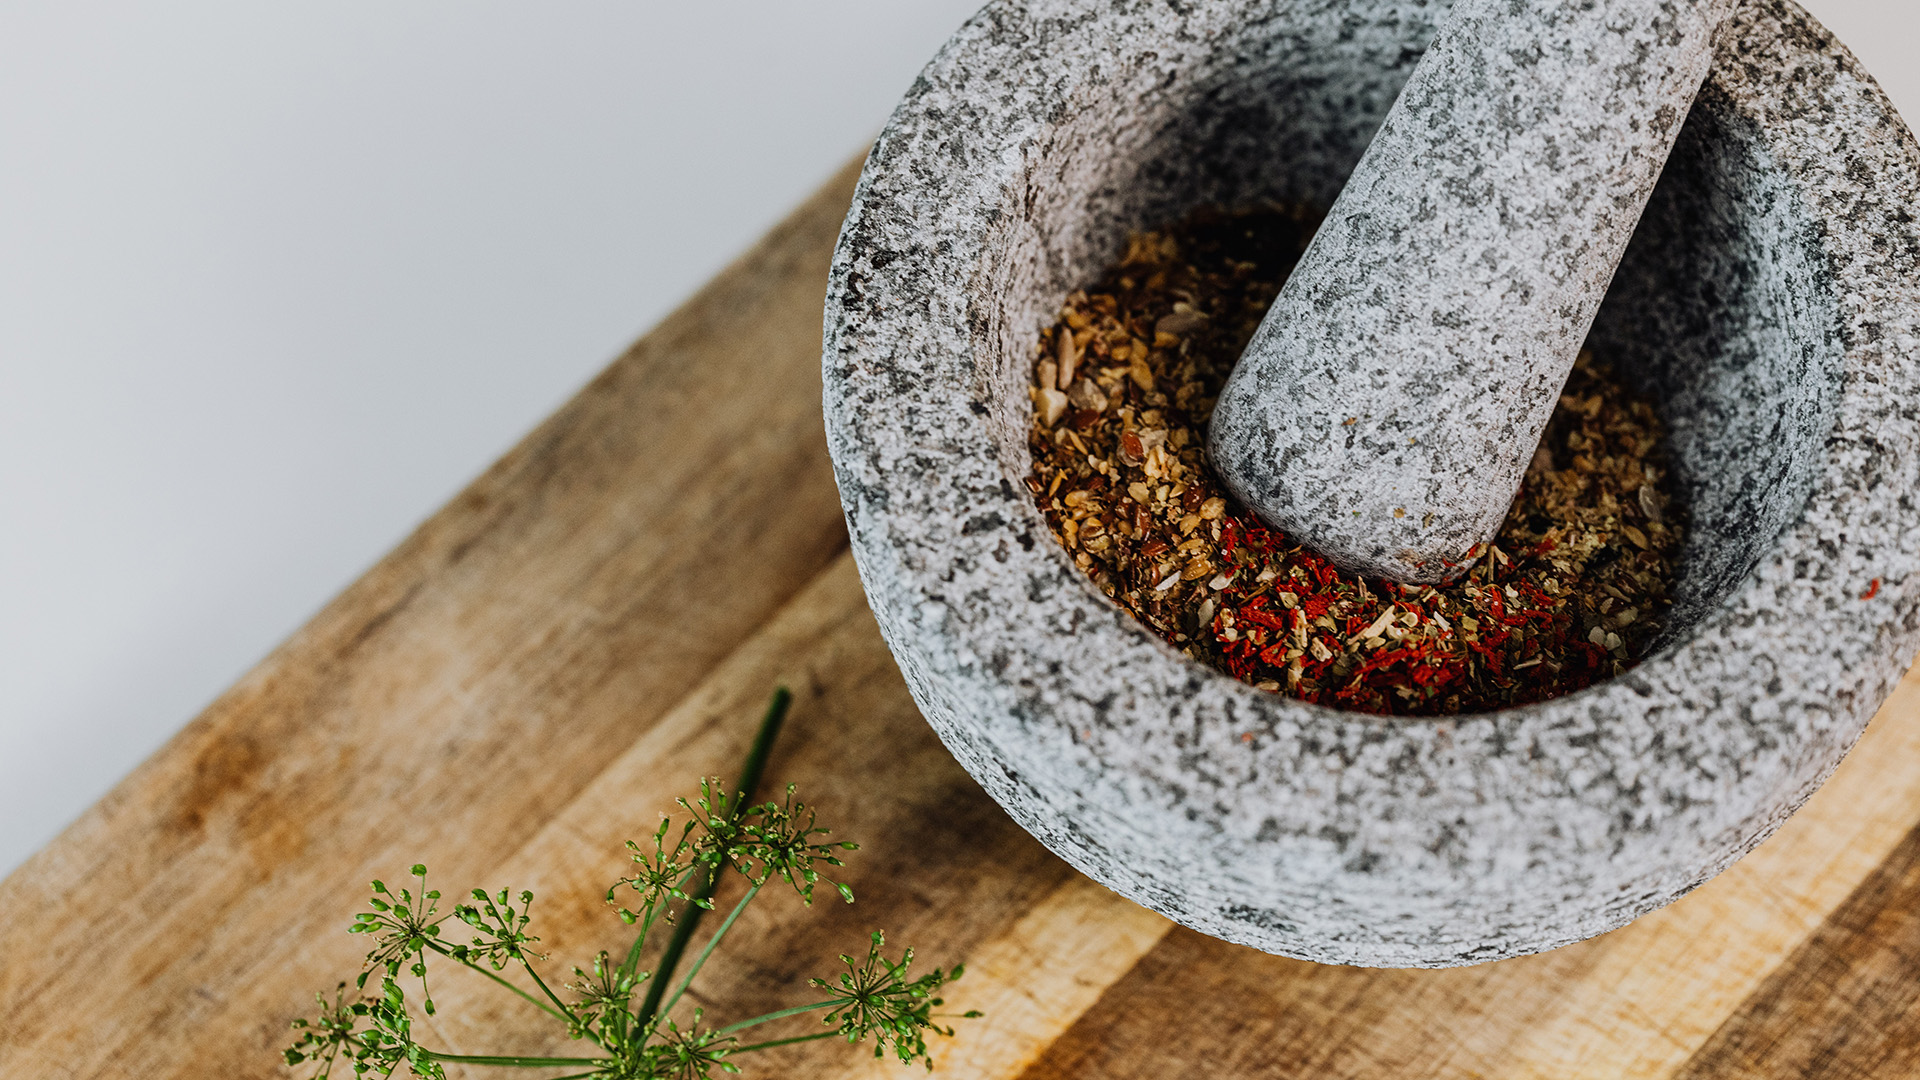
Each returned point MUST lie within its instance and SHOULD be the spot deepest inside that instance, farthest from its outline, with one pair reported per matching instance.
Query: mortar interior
(1718, 313)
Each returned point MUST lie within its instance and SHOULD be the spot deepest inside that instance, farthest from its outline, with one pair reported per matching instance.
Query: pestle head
(1386, 409)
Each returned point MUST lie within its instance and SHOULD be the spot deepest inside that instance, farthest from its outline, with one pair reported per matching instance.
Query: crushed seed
(1573, 590)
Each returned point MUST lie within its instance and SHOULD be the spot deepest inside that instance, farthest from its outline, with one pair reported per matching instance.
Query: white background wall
(277, 279)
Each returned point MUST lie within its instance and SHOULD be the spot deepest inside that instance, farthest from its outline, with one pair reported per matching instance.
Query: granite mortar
(1769, 305)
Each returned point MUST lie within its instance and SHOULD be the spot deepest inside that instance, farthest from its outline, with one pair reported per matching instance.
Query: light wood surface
(534, 675)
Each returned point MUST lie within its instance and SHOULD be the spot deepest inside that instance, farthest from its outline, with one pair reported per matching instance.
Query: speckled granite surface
(1771, 301)
(1388, 406)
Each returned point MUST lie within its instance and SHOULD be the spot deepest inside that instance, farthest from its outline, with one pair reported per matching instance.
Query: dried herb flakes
(1574, 589)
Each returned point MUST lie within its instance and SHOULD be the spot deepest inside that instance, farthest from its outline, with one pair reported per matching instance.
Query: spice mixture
(1573, 590)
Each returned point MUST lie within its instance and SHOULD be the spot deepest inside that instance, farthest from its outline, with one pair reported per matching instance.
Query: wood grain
(533, 676)
(1847, 1004)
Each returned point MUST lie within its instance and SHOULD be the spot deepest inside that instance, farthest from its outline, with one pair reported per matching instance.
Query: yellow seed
(1053, 405)
(1141, 373)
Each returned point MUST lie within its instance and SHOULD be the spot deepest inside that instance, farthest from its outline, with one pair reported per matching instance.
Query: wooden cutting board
(529, 679)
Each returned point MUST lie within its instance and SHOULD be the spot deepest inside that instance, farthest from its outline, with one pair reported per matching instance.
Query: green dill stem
(517, 1062)
(557, 1003)
(537, 1003)
(690, 918)
(756, 763)
(713, 942)
(781, 1015)
(780, 1042)
(639, 942)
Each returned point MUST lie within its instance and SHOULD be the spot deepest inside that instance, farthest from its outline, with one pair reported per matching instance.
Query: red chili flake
(1264, 618)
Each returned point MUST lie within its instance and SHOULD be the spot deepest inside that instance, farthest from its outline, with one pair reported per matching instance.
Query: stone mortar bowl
(1768, 306)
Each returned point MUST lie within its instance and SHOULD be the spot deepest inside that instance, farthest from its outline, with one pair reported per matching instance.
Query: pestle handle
(1386, 409)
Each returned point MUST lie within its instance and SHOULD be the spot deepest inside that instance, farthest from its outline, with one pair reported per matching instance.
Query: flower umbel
(875, 997)
(330, 1034)
(603, 991)
(778, 839)
(663, 873)
(691, 1054)
(405, 925)
(500, 936)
